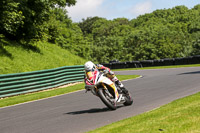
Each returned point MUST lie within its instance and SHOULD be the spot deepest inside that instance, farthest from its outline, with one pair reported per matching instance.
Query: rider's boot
(121, 86)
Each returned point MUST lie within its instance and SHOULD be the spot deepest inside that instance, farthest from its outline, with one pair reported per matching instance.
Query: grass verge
(49, 93)
(158, 67)
(179, 116)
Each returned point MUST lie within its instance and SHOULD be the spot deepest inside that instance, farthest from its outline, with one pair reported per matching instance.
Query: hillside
(16, 58)
(164, 33)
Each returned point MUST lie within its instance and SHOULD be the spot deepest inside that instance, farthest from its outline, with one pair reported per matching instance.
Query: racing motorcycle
(109, 92)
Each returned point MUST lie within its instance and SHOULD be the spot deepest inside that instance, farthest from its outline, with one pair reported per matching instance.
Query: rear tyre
(107, 100)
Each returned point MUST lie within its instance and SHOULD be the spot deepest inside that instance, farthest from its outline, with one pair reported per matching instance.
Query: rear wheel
(107, 99)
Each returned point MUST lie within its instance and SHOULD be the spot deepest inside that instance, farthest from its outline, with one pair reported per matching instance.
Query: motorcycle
(109, 92)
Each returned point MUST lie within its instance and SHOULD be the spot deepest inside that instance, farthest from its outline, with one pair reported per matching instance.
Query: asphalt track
(81, 112)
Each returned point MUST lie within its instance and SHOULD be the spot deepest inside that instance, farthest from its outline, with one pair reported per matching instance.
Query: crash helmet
(89, 66)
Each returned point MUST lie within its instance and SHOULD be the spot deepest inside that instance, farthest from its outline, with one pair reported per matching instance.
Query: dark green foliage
(11, 18)
(23, 19)
(87, 24)
(167, 33)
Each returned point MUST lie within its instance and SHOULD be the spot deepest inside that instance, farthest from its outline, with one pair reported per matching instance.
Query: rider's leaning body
(89, 74)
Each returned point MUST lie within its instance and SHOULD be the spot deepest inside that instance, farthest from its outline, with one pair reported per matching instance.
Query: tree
(87, 24)
(11, 18)
(23, 19)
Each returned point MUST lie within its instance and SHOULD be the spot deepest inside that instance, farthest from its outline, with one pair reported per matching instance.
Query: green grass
(179, 116)
(17, 58)
(126, 77)
(39, 95)
(49, 93)
(159, 67)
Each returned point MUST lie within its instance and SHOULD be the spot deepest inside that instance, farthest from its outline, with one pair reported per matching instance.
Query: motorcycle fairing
(102, 79)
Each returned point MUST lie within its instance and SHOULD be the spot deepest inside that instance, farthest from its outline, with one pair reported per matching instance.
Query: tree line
(166, 33)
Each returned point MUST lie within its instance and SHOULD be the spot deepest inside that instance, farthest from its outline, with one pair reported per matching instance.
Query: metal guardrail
(20, 83)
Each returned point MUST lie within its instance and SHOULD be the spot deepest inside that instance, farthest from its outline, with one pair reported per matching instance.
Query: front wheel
(106, 99)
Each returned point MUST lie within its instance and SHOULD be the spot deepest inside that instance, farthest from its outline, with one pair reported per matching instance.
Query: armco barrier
(20, 83)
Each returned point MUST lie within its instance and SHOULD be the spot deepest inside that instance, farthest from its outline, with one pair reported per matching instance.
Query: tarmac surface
(81, 112)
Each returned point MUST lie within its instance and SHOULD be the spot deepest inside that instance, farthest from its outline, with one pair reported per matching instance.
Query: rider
(90, 67)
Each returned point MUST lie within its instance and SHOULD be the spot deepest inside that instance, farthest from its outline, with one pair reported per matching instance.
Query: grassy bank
(180, 116)
(49, 93)
(16, 58)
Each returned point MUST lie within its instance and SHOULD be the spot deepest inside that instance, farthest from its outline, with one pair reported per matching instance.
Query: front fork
(117, 96)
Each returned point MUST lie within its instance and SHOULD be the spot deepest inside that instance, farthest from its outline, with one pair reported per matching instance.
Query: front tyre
(106, 99)
(128, 99)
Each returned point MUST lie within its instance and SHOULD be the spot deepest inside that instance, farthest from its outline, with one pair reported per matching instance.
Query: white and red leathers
(110, 74)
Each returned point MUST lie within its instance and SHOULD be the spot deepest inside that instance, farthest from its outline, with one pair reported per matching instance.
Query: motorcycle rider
(90, 67)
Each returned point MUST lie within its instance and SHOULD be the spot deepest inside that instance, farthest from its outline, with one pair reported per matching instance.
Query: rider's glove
(106, 71)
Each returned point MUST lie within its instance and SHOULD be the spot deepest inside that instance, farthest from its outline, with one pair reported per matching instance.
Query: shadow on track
(197, 72)
(95, 110)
